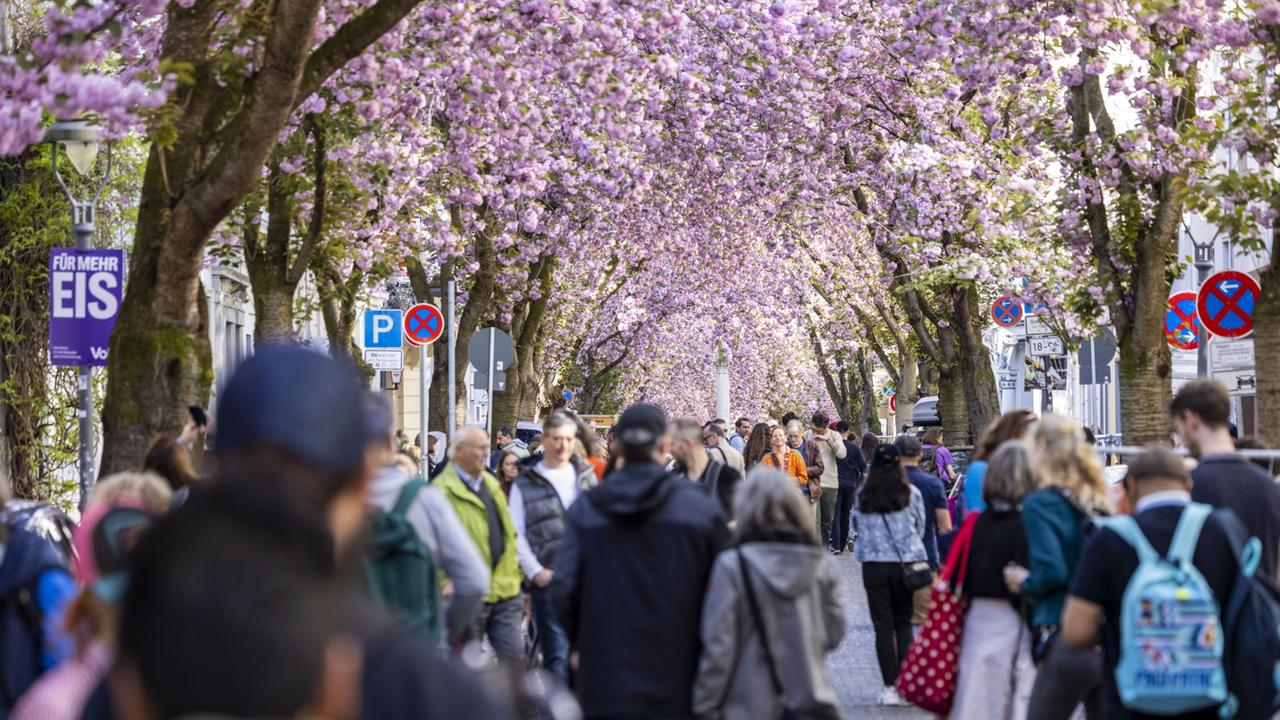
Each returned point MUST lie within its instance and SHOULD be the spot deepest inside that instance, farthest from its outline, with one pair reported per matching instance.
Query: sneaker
(834, 551)
(890, 697)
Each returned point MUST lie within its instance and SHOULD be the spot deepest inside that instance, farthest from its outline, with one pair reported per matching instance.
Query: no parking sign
(1181, 326)
(1225, 303)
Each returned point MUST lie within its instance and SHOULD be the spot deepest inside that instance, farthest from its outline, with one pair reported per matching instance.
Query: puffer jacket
(798, 594)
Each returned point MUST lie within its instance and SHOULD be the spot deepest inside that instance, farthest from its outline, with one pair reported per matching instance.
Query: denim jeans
(840, 524)
(889, 601)
(552, 639)
(501, 622)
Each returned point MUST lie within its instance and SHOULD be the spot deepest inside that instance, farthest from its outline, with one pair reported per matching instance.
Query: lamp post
(79, 139)
(1204, 266)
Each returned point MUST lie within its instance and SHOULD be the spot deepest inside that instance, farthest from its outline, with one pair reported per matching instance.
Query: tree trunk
(982, 396)
(952, 408)
(1266, 344)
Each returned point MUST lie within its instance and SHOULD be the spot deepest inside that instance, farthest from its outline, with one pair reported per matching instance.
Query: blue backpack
(28, 560)
(1171, 639)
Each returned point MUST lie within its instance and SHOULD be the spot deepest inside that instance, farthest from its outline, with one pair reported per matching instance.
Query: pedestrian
(171, 461)
(630, 578)
(937, 518)
(850, 471)
(741, 431)
(310, 452)
(813, 463)
(1071, 490)
(758, 444)
(109, 528)
(506, 441)
(36, 587)
(831, 450)
(869, 444)
(543, 492)
(781, 456)
(937, 458)
(889, 520)
(1009, 426)
(535, 445)
(478, 500)
(715, 443)
(436, 527)
(695, 462)
(508, 469)
(1102, 595)
(1224, 478)
(772, 613)
(996, 671)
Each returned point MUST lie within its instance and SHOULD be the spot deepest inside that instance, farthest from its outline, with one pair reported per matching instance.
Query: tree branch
(316, 226)
(349, 41)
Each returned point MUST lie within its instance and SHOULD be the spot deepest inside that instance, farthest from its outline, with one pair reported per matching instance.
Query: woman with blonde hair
(772, 612)
(1071, 491)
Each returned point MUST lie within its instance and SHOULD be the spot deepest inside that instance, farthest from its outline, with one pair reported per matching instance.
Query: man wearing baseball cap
(632, 606)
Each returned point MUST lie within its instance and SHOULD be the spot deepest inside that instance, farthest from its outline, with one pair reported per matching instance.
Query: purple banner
(85, 288)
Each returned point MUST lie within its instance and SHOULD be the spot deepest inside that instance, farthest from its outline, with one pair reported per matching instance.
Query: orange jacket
(795, 466)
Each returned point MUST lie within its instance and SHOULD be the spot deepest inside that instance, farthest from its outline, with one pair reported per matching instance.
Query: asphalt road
(854, 671)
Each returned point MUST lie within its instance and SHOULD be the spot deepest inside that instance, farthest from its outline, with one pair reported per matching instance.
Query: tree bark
(1266, 344)
(982, 396)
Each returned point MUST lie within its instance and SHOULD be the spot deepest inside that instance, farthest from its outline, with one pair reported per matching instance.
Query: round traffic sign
(893, 403)
(423, 324)
(1225, 304)
(1006, 313)
(1181, 324)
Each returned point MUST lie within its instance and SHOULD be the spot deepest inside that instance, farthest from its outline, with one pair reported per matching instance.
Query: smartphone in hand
(198, 415)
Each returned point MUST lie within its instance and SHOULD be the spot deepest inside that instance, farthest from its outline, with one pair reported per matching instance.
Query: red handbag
(928, 675)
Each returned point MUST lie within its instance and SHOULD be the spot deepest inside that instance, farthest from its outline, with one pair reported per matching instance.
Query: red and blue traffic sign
(1225, 304)
(1181, 324)
(423, 324)
(1006, 313)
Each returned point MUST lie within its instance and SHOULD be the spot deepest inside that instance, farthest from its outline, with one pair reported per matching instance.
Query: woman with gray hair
(772, 612)
(996, 671)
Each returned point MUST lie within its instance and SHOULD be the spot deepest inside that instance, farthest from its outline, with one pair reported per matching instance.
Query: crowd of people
(318, 567)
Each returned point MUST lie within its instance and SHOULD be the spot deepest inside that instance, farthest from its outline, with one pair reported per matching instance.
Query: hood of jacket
(634, 492)
(789, 570)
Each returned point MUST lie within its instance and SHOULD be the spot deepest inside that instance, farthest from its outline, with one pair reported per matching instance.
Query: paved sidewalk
(854, 671)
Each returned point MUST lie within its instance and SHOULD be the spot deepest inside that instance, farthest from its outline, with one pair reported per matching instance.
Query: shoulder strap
(1183, 546)
(407, 495)
(759, 623)
(892, 540)
(1247, 550)
(1128, 530)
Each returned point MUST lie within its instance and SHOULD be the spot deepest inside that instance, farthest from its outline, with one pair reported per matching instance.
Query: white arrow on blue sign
(382, 329)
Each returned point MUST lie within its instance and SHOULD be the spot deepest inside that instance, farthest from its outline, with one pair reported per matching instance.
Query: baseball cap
(640, 426)
(298, 400)
(886, 456)
(908, 446)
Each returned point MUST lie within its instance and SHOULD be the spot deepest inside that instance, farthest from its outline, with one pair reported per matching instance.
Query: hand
(1014, 576)
(446, 592)
(189, 433)
(543, 578)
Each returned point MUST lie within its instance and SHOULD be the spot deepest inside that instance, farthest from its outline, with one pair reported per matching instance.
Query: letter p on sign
(382, 329)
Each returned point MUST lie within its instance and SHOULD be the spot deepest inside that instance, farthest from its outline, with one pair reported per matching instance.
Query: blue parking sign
(382, 329)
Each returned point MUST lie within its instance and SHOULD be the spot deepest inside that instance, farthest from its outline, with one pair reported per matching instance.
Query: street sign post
(382, 329)
(1225, 303)
(85, 291)
(1046, 346)
(1181, 324)
(1006, 313)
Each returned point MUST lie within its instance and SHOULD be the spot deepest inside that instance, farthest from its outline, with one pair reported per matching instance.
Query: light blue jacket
(902, 539)
(973, 477)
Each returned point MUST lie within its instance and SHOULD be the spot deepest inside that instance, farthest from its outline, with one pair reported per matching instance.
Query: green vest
(507, 576)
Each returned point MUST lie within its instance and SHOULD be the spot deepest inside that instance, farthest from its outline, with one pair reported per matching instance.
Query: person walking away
(937, 517)
(481, 507)
(508, 469)
(542, 493)
(713, 440)
(758, 444)
(869, 444)
(996, 672)
(630, 578)
(850, 470)
(1071, 492)
(813, 464)
(110, 527)
(1224, 478)
(772, 613)
(694, 462)
(404, 581)
(781, 456)
(741, 431)
(938, 461)
(831, 450)
(889, 519)
(1009, 426)
(1103, 592)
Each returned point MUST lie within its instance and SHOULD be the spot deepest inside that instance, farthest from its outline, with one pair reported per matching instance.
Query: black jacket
(628, 588)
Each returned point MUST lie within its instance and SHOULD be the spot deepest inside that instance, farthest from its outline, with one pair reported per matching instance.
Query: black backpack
(1251, 620)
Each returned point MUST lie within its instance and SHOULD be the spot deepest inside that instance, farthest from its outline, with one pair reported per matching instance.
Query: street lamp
(1204, 266)
(79, 138)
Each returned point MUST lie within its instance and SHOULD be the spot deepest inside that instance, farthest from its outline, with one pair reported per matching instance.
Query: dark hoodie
(628, 587)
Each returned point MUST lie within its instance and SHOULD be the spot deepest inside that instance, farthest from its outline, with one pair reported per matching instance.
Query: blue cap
(298, 400)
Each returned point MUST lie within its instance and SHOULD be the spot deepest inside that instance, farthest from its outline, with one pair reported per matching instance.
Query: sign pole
(1204, 266)
(488, 414)
(424, 407)
(452, 410)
